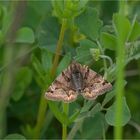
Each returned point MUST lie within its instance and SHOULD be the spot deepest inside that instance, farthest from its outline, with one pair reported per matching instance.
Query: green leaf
(25, 35)
(90, 113)
(74, 116)
(95, 109)
(108, 41)
(41, 7)
(64, 63)
(23, 79)
(68, 9)
(108, 97)
(122, 26)
(111, 73)
(14, 136)
(111, 113)
(58, 7)
(46, 59)
(82, 116)
(134, 52)
(89, 23)
(83, 52)
(93, 127)
(48, 33)
(37, 66)
(60, 116)
(87, 106)
(84, 112)
(87, 43)
(135, 33)
(74, 107)
(41, 73)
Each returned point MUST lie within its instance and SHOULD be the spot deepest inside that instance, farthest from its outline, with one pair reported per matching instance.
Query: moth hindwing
(76, 80)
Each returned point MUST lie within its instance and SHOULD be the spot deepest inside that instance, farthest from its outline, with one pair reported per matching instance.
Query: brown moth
(76, 80)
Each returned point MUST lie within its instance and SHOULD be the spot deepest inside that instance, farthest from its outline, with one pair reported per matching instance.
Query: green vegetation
(39, 39)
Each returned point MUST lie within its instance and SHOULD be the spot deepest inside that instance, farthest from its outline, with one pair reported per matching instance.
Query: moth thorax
(77, 81)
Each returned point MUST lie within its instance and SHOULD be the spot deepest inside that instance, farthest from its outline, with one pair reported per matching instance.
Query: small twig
(59, 47)
(75, 128)
(108, 58)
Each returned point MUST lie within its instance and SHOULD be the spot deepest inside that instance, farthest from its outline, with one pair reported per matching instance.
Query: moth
(77, 80)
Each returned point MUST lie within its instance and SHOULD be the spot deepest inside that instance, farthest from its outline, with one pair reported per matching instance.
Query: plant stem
(64, 132)
(120, 78)
(5, 88)
(54, 68)
(108, 58)
(59, 47)
(74, 129)
(41, 116)
(64, 126)
(43, 103)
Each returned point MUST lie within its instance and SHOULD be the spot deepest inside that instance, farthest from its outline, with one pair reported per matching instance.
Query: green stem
(120, 78)
(64, 126)
(74, 129)
(43, 103)
(41, 116)
(5, 88)
(108, 58)
(64, 132)
(54, 67)
(59, 47)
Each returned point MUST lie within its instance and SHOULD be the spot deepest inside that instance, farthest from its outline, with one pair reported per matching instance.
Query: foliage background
(38, 39)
